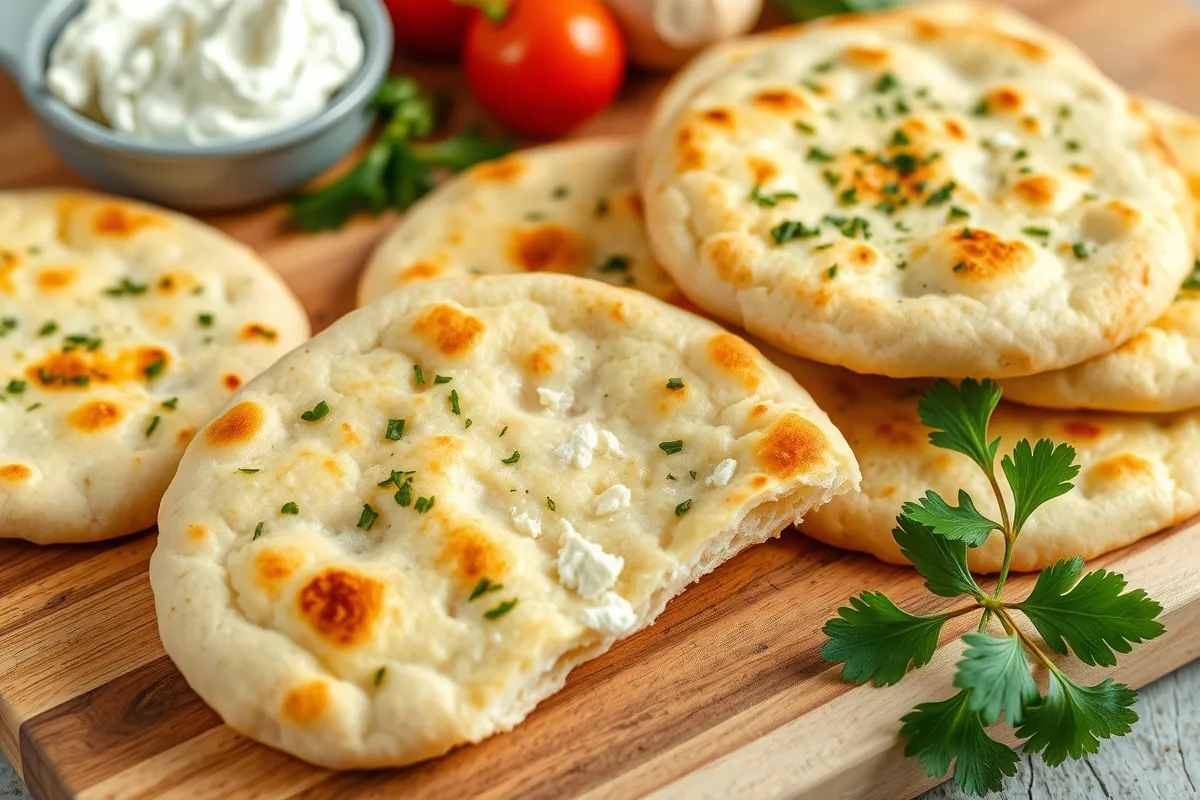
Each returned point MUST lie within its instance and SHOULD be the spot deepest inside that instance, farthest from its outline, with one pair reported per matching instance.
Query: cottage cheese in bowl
(204, 71)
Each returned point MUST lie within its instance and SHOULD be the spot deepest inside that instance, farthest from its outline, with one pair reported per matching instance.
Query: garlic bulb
(662, 34)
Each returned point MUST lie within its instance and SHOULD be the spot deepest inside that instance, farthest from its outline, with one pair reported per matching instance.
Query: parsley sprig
(1091, 616)
(396, 171)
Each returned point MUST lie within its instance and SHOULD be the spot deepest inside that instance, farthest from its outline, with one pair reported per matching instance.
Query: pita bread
(981, 138)
(569, 208)
(559, 461)
(1158, 369)
(124, 328)
(1138, 472)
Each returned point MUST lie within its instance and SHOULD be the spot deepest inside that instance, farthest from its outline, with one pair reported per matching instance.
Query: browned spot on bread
(185, 436)
(421, 270)
(541, 360)
(333, 468)
(1031, 124)
(236, 426)
(65, 209)
(863, 255)
(737, 358)
(762, 169)
(982, 255)
(171, 282)
(1004, 99)
(119, 221)
(867, 56)
(273, 567)
(1143, 340)
(95, 415)
(17, 473)
(256, 331)
(791, 447)
(721, 117)
(1128, 216)
(1036, 190)
(758, 481)
(1031, 50)
(504, 170)
(51, 280)
(1082, 170)
(306, 704)
(636, 206)
(616, 311)
(232, 382)
(472, 555)
(548, 248)
(197, 532)
(1159, 146)
(780, 101)
(896, 433)
(955, 129)
(926, 29)
(758, 412)
(80, 368)
(692, 154)
(349, 435)
(1082, 430)
(1125, 466)
(341, 606)
(729, 260)
(888, 491)
(451, 330)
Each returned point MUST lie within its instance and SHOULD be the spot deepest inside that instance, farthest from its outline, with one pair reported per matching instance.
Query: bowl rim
(374, 26)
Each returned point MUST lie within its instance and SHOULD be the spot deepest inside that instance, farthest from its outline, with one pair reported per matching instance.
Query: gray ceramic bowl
(197, 178)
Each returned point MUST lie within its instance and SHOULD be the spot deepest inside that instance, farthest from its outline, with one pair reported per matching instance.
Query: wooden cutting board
(725, 695)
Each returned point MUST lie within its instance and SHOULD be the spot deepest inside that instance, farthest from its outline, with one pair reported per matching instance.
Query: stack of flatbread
(405, 533)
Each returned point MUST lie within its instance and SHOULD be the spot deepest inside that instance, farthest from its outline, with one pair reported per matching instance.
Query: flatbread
(570, 208)
(572, 475)
(965, 285)
(123, 327)
(1157, 370)
(1138, 474)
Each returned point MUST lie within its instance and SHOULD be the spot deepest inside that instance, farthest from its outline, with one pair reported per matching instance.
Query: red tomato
(547, 65)
(430, 28)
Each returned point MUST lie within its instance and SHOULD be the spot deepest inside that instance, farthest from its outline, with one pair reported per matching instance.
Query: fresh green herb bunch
(1092, 615)
(396, 171)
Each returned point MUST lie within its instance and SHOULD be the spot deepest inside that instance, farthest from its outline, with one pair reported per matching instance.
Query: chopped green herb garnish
(1079, 250)
(442, 379)
(290, 508)
(154, 424)
(770, 200)
(454, 407)
(675, 383)
(804, 127)
(559, 192)
(368, 517)
(126, 286)
(692, 473)
(468, 423)
(550, 504)
(34, 407)
(379, 673)
(156, 369)
(502, 432)
(793, 229)
(48, 328)
(16, 387)
(817, 154)
(958, 213)
(683, 507)
(960, 266)
(502, 609)
(825, 246)
(247, 470)
(904, 163)
(395, 430)
(1071, 145)
(941, 195)
(886, 82)
(601, 207)
(1192, 282)
(615, 264)
(318, 412)
(514, 458)
(849, 197)
(900, 138)
(420, 376)
(171, 404)
(670, 448)
(1031, 231)
(425, 503)
(823, 67)
(671, 477)
(901, 106)
(403, 495)
(981, 108)
(258, 530)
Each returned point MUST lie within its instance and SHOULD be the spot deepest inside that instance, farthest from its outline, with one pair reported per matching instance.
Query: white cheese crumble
(611, 445)
(1005, 140)
(612, 616)
(526, 524)
(584, 566)
(580, 448)
(552, 400)
(721, 473)
(612, 500)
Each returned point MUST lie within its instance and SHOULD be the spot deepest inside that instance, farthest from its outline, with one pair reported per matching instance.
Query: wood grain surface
(726, 695)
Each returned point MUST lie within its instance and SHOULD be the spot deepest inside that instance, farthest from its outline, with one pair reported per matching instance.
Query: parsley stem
(1032, 647)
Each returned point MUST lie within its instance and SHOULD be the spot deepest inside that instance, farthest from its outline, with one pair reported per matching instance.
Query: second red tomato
(546, 65)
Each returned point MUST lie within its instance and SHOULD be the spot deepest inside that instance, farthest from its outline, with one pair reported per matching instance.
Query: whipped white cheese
(204, 71)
